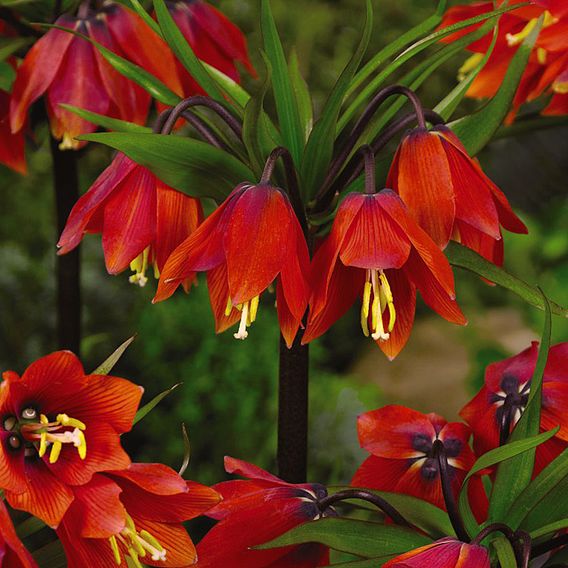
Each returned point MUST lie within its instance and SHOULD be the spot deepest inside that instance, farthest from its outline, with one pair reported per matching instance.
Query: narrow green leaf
(361, 538)
(515, 474)
(51, 555)
(191, 166)
(477, 129)
(184, 53)
(237, 94)
(28, 527)
(319, 149)
(149, 406)
(9, 45)
(139, 9)
(549, 529)
(551, 508)
(107, 365)
(107, 122)
(288, 115)
(505, 552)
(7, 76)
(186, 450)
(369, 563)
(302, 94)
(464, 257)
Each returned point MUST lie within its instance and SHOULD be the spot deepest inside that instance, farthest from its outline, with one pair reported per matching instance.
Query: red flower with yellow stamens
(213, 38)
(502, 399)
(377, 251)
(141, 219)
(59, 427)
(444, 553)
(13, 554)
(547, 70)
(134, 515)
(401, 443)
(255, 511)
(251, 240)
(449, 195)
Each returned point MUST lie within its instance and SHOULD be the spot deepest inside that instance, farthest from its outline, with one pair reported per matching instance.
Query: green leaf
(463, 257)
(549, 529)
(186, 450)
(515, 474)
(319, 149)
(526, 126)
(107, 365)
(302, 94)
(288, 115)
(107, 122)
(477, 129)
(551, 508)
(361, 538)
(184, 53)
(139, 9)
(51, 555)
(28, 527)
(149, 406)
(231, 88)
(7, 76)
(505, 552)
(9, 45)
(369, 563)
(191, 166)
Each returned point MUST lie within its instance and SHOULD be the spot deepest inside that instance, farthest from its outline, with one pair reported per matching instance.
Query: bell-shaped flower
(13, 554)
(251, 240)
(377, 251)
(59, 427)
(449, 195)
(403, 457)
(141, 219)
(134, 517)
(444, 553)
(255, 511)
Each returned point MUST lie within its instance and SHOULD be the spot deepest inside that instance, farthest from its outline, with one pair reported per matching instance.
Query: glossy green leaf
(107, 365)
(515, 474)
(139, 9)
(184, 53)
(505, 552)
(549, 529)
(191, 166)
(302, 94)
(149, 406)
(477, 129)
(361, 538)
(107, 122)
(237, 94)
(319, 149)
(464, 257)
(286, 108)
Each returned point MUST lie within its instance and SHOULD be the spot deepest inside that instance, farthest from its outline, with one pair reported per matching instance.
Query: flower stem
(363, 495)
(66, 186)
(545, 547)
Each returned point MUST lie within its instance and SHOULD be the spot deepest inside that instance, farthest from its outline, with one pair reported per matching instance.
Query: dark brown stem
(369, 161)
(66, 186)
(490, 529)
(376, 500)
(523, 546)
(543, 548)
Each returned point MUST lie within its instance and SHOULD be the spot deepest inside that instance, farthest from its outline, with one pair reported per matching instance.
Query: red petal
(381, 474)
(11, 145)
(81, 552)
(289, 323)
(456, 434)
(480, 414)
(153, 478)
(218, 296)
(474, 239)
(249, 470)
(413, 483)
(13, 553)
(520, 367)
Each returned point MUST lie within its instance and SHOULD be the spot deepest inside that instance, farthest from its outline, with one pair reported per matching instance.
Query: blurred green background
(228, 396)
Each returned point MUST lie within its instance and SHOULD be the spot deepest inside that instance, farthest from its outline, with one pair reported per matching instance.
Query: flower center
(138, 544)
(511, 401)
(248, 311)
(429, 467)
(139, 266)
(377, 295)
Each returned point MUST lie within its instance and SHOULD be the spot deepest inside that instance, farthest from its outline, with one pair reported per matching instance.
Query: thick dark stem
(451, 505)
(369, 161)
(490, 529)
(505, 426)
(376, 500)
(66, 186)
(523, 546)
(543, 548)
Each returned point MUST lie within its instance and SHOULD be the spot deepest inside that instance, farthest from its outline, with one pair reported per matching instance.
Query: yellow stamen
(541, 55)
(560, 87)
(141, 543)
(377, 295)
(82, 446)
(68, 143)
(242, 332)
(115, 550)
(64, 420)
(516, 39)
(385, 287)
(55, 451)
(43, 437)
(469, 65)
(254, 308)
(139, 266)
(229, 307)
(365, 307)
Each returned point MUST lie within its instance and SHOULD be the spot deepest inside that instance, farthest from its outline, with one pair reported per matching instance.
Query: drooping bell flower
(403, 460)
(444, 553)
(548, 62)
(213, 38)
(59, 427)
(376, 250)
(501, 401)
(449, 195)
(251, 240)
(141, 219)
(134, 516)
(13, 554)
(11, 145)
(255, 511)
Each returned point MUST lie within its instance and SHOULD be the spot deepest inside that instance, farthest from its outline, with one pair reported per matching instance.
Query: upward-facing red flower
(142, 220)
(255, 511)
(135, 514)
(13, 554)
(251, 240)
(59, 427)
(377, 251)
(449, 195)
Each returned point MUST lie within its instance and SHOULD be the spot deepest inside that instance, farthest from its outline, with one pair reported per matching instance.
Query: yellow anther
(365, 308)
(560, 87)
(153, 541)
(68, 143)
(392, 316)
(386, 289)
(516, 39)
(376, 313)
(156, 271)
(254, 308)
(541, 55)
(229, 307)
(43, 419)
(82, 445)
(115, 550)
(134, 558)
(469, 65)
(55, 451)
(42, 444)
(64, 420)
(139, 266)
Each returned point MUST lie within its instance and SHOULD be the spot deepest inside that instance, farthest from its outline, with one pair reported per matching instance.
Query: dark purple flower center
(429, 468)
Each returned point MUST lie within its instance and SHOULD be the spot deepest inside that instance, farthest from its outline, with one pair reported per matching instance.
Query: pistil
(248, 311)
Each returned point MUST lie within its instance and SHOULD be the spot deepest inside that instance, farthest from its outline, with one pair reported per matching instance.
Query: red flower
(13, 554)
(134, 514)
(141, 219)
(444, 553)
(59, 427)
(253, 238)
(401, 442)
(547, 70)
(11, 145)
(504, 396)
(255, 511)
(213, 38)
(449, 195)
(376, 250)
